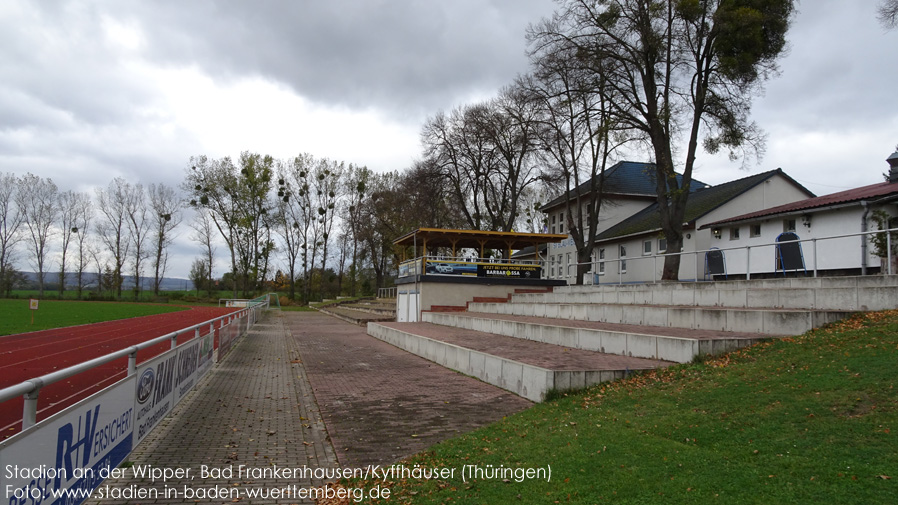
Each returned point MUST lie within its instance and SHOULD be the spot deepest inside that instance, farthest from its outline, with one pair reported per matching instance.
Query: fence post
(132, 363)
(748, 262)
(174, 341)
(814, 252)
(889, 251)
(29, 411)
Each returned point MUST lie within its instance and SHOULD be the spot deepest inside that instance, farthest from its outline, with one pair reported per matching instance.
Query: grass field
(15, 316)
(802, 420)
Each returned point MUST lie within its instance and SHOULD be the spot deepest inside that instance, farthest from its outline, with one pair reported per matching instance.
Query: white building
(630, 244)
(815, 221)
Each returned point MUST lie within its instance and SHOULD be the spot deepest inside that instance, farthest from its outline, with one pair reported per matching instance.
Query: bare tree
(10, 220)
(326, 189)
(83, 216)
(204, 233)
(36, 200)
(888, 13)
(70, 205)
(113, 227)
(678, 69)
(576, 135)
(166, 216)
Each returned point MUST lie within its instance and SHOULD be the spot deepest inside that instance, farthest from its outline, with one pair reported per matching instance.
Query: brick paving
(381, 403)
(553, 357)
(256, 408)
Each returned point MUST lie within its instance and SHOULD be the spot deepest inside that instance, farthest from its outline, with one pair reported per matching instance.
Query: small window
(553, 219)
(647, 247)
(734, 233)
(789, 225)
(601, 261)
(756, 230)
(662, 245)
(560, 227)
(623, 262)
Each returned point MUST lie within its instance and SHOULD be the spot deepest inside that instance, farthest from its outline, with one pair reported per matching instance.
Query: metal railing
(30, 388)
(747, 248)
(386, 292)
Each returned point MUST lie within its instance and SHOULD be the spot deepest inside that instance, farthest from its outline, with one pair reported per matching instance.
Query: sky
(92, 90)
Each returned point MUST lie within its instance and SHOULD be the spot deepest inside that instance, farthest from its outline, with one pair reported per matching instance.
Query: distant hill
(90, 281)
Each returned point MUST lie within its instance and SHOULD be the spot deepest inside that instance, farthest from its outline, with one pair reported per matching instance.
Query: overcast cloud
(94, 90)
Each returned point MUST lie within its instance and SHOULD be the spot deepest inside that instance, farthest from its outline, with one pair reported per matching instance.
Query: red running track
(28, 355)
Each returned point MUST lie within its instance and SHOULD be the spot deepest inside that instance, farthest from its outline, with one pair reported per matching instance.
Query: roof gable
(623, 178)
(871, 192)
(700, 203)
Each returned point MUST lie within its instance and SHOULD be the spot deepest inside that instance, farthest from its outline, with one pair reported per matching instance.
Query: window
(788, 225)
(734, 233)
(662, 245)
(647, 248)
(755, 230)
(560, 227)
(623, 262)
(567, 270)
(601, 261)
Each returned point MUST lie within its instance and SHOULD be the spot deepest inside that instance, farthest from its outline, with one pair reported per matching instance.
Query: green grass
(804, 420)
(15, 316)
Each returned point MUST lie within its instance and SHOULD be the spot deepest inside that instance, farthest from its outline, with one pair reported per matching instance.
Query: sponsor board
(507, 271)
(64, 457)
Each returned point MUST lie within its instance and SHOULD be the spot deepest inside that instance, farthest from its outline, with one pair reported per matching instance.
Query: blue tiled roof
(625, 178)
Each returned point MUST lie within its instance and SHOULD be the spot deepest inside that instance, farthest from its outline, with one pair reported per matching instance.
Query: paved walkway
(258, 408)
(255, 408)
(381, 403)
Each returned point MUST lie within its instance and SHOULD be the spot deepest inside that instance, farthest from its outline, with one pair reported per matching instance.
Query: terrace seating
(574, 336)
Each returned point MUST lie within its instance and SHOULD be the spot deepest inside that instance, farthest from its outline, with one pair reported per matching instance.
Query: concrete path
(258, 408)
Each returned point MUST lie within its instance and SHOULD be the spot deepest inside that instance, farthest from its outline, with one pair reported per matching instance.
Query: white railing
(748, 250)
(386, 292)
(30, 388)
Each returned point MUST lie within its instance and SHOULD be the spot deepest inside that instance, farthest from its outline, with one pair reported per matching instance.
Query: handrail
(31, 387)
(747, 249)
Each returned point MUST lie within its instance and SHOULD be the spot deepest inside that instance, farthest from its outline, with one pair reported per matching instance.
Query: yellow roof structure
(476, 239)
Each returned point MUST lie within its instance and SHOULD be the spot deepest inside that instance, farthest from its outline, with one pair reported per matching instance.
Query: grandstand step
(489, 299)
(772, 321)
(669, 344)
(823, 293)
(527, 368)
(447, 308)
(355, 316)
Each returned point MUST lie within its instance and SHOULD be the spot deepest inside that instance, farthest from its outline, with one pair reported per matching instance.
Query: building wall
(824, 253)
(614, 210)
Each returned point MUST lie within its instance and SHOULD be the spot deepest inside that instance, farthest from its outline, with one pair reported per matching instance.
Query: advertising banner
(507, 271)
(65, 457)
(484, 269)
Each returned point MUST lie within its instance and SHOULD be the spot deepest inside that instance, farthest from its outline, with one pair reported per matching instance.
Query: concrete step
(355, 316)
(778, 321)
(822, 293)
(668, 344)
(529, 369)
(371, 308)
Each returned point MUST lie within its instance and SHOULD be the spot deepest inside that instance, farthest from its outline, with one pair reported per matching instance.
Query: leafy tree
(81, 221)
(199, 276)
(678, 68)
